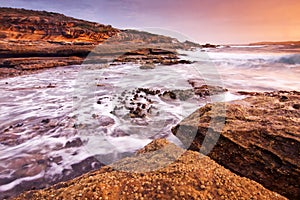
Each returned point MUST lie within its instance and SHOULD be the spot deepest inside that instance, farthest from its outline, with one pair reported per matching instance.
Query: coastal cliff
(35, 40)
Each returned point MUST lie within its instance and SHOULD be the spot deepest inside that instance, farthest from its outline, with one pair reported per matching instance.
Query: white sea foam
(26, 100)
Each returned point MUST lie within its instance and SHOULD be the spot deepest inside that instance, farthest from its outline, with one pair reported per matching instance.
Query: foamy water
(65, 121)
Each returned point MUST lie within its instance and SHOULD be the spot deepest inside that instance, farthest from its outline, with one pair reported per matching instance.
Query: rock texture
(21, 24)
(259, 138)
(34, 40)
(159, 171)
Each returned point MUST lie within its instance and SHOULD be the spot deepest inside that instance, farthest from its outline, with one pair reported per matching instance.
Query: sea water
(65, 121)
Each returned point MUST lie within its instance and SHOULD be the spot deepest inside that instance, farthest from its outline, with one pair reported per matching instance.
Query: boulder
(258, 137)
(159, 171)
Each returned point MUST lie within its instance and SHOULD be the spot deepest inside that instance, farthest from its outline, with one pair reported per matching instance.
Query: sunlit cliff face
(212, 21)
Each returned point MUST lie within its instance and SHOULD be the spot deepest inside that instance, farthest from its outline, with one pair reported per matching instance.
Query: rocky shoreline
(253, 144)
(35, 40)
(259, 139)
(158, 171)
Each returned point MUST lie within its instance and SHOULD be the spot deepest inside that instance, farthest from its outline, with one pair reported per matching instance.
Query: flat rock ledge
(159, 171)
(257, 137)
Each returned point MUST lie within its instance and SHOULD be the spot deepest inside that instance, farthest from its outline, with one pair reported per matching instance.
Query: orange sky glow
(213, 21)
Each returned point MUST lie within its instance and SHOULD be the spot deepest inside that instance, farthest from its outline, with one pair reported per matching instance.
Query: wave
(290, 59)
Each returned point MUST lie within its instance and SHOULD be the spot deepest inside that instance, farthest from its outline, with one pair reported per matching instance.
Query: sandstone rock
(24, 24)
(35, 40)
(147, 66)
(159, 171)
(203, 90)
(259, 138)
(77, 142)
(105, 121)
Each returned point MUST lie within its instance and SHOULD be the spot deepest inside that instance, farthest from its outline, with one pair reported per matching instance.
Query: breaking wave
(289, 59)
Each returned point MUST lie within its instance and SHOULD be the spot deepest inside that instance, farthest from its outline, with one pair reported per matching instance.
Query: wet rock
(86, 165)
(99, 101)
(207, 45)
(137, 113)
(259, 138)
(119, 133)
(203, 90)
(169, 94)
(105, 121)
(185, 62)
(51, 86)
(74, 143)
(183, 95)
(45, 121)
(95, 116)
(140, 122)
(208, 90)
(147, 66)
(148, 91)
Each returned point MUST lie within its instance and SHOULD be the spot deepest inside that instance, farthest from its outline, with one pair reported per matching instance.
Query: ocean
(65, 121)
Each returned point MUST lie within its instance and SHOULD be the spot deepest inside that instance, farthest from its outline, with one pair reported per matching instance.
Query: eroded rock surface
(259, 138)
(159, 171)
(35, 40)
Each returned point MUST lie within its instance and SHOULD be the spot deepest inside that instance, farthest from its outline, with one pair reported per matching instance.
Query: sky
(203, 21)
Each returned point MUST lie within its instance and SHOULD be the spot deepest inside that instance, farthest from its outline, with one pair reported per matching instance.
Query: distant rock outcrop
(260, 138)
(34, 40)
(21, 24)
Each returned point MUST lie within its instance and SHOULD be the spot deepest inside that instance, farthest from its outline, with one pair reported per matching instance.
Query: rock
(184, 95)
(147, 66)
(45, 121)
(35, 40)
(185, 62)
(53, 27)
(119, 133)
(259, 138)
(207, 45)
(204, 90)
(77, 142)
(296, 106)
(161, 170)
(105, 121)
(169, 94)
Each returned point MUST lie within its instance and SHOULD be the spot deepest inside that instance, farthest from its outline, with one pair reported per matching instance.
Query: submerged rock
(147, 66)
(259, 138)
(203, 90)
(159, 171)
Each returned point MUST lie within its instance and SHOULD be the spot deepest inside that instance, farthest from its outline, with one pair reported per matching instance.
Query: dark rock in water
(74, 143)
(148, 91)
(207, 45)
(208, 90)
(184, 95)
(119, 133)
(184, 62)
(147, 66)
(45, 121)
(169, 94)
(105, 121)
(203, 90)
(137, 113)
(99, 101)
(259, 138)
